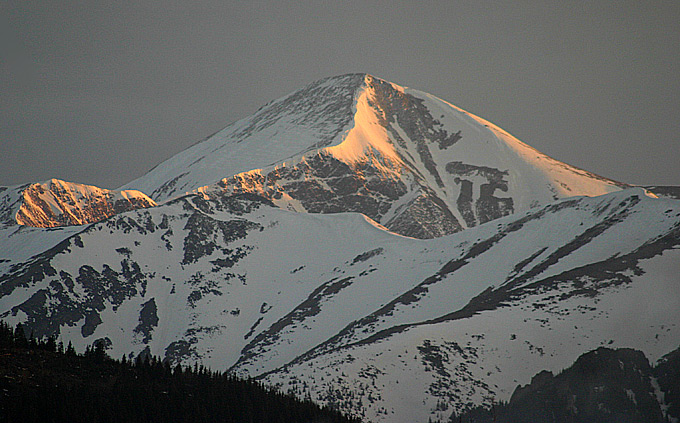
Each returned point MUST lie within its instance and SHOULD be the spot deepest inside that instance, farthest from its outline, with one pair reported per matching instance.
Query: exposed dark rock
(179, 351)
(323, 106)
(253, 327)
(168, 186)
(148, 320)
(324, 184)
(244, 203)
(425, 217)
(104, 343)
(414, 119)
(108, 285)
(92, 320)
(597, 276)
(667, 374)
(144, 354)
(487, 207)
(307, 309)
(665, 191)
(10, 202)
(465, 202)
(603, 385)
(194, 297)
(206, 234)
(434, 357)
(57, 299)
(367, 255)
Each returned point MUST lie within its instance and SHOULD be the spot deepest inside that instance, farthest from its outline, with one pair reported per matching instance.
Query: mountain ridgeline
(58, 203)
(408, 160)
(357, 243)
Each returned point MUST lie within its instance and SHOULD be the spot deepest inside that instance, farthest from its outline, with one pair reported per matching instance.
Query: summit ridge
(356, 143)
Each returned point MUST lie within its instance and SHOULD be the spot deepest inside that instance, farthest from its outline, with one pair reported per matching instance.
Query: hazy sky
(100, 92)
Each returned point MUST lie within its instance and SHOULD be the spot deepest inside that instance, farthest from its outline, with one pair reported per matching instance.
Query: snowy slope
(209, 258)
(444, 347)
(25, 210)
(337, 308)
(408, 160)
(308, 119)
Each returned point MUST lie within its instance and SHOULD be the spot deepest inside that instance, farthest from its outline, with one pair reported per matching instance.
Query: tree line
(42, 380)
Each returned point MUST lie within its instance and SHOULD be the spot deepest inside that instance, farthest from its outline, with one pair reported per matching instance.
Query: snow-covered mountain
(57, 203)
(35, 217)
(335, 307)
(408, 160)
(286, 260)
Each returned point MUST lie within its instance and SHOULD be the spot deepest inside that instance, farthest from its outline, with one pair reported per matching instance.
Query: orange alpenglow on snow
(57, 203)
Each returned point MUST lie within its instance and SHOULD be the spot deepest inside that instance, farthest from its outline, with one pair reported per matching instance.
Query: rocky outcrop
(58, 203)
(665, 191)
(603, 385)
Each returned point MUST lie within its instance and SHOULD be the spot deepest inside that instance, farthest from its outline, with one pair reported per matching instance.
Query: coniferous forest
(45, 381)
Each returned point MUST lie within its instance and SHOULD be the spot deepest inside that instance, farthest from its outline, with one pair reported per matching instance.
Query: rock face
(355, 143)
(57, 203)
(666, 191)
(603, 385)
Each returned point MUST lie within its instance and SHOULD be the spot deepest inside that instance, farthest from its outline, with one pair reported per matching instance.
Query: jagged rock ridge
(57, 203)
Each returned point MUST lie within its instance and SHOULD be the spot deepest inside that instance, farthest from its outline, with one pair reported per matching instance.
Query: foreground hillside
(604, 385)
(40, 382)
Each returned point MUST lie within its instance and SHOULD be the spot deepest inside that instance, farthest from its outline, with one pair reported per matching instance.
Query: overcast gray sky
(100, 92)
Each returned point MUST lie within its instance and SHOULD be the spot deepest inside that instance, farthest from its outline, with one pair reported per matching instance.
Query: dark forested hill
(41, 381)
(604, 385)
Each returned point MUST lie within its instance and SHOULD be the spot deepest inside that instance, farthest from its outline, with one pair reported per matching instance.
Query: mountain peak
(54, 202)
(407, 159)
